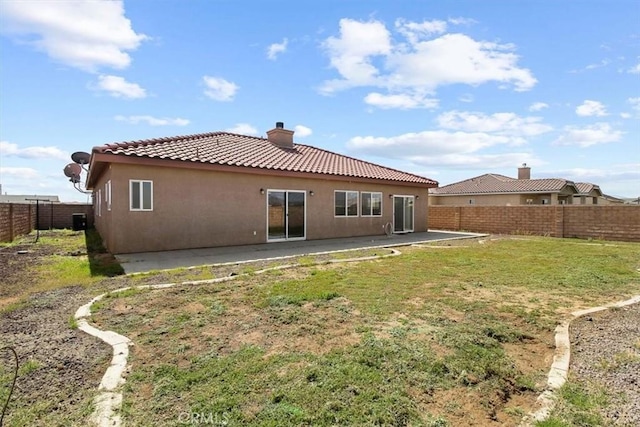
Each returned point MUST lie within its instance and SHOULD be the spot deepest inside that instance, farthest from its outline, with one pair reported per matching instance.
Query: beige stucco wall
(195, 208)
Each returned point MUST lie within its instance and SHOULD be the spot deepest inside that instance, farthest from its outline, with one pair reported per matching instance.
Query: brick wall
(60, 215)
(613, 222)
(17, 219)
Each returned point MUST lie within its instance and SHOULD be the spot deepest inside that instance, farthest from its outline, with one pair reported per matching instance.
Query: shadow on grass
(101, 262)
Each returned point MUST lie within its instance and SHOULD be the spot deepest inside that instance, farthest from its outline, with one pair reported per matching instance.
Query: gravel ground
(605, 350)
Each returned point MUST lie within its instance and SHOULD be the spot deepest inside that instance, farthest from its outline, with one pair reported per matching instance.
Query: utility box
(79, 221)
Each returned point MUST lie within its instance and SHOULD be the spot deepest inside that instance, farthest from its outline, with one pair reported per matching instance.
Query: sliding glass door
(403, 214)
(286, 215)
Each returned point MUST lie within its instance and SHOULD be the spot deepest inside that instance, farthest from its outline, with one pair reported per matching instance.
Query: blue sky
(448, 90)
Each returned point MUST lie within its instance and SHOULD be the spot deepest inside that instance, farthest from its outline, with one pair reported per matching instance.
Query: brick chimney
(280, 136)
(524, 172)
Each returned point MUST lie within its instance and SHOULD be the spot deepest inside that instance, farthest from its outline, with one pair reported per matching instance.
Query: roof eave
(99, 160)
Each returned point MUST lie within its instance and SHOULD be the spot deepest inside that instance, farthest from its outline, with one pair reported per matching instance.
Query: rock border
(562, 357)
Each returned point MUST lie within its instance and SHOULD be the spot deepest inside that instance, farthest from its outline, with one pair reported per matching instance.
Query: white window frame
(107, 194)
(141, 201)
(371, 194)
(99, 203)
(346, 205)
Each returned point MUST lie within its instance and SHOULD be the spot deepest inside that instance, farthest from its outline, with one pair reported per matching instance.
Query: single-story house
(496, 189)
(221, 189)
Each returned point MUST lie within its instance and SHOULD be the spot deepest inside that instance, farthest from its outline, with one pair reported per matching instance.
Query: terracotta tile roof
(223, 148)
(586, 188)
(494, 183)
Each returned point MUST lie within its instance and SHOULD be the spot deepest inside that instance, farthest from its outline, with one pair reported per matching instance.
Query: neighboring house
(589, 194)
(221, 189)
(607, 199)
(632, 201)
(495, 189)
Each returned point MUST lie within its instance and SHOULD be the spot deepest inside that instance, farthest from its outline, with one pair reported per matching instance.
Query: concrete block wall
(60, 215)
(18, 219)
(612, 222)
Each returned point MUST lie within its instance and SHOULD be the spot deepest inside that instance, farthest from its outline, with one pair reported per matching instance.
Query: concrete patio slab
(148, 261)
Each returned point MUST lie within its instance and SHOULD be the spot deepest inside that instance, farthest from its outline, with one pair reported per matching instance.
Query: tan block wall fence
(612, 222)
(17, 219)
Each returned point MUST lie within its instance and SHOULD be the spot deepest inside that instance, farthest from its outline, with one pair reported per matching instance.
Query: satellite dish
(72, 170)
(81, 158)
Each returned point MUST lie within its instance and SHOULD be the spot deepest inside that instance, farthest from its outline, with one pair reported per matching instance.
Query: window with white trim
(346, 203)
(140, 195)
(107, 194)
(370, 204)
(99, 203)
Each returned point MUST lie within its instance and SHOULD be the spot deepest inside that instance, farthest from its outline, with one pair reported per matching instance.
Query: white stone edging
(562, 356)
(109, 401)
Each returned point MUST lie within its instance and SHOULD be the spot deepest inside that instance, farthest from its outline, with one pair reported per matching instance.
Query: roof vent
(280, 136)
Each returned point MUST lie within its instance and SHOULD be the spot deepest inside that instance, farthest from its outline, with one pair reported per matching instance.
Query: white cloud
(458, 59)
(635, 69)
(364, 55)
(277, 48)
(538, 106)
(37, 152)
(600, 64)
(477, 161)
(509, 124)
(243, 129)
(617, 179)
(402, 101)
(635, 107)
(219, 89)
(302, 131)
(153, 121)
(599, 133)
(462, 21)
(441, 148)
(350, 54)
(591, 108)
(415, 144)
(118, 87)
(82, 34)
(620, 171)
(20, 173)
(417, 31)
(467, 98)
(464, 139)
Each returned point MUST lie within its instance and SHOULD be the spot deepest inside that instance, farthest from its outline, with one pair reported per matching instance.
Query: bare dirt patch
(15, 263)
(65, 365)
